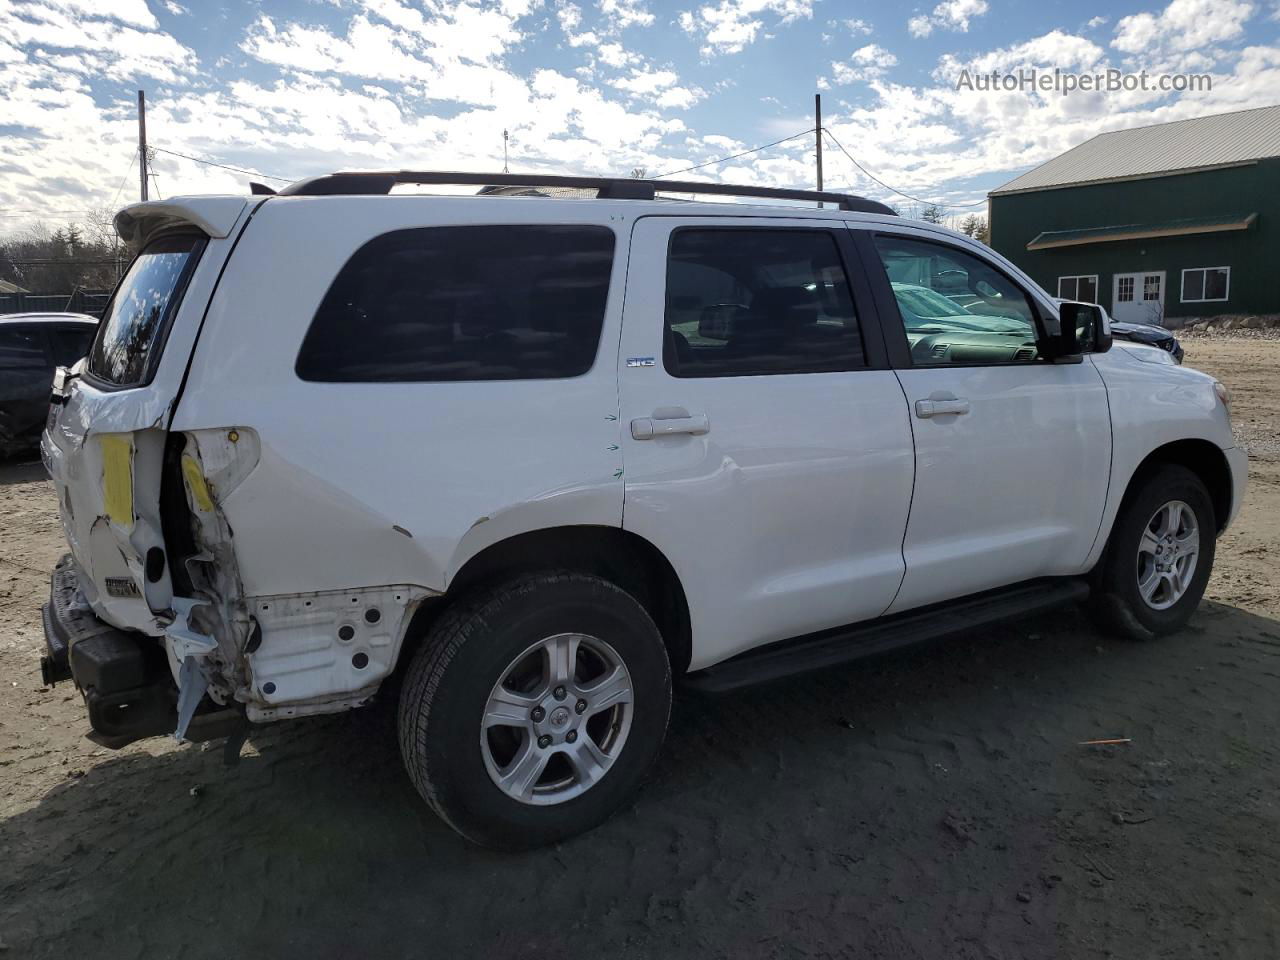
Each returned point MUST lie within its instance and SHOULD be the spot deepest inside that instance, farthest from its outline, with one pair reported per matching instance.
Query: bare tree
(61, 260)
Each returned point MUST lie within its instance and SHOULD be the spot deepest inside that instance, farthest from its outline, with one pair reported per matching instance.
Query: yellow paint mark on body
(117, 478)
(195, 483)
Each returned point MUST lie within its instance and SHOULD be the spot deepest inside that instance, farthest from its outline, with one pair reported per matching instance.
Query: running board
(829, 648)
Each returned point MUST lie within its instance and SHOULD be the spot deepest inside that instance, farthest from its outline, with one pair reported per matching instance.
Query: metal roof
(1184, 145)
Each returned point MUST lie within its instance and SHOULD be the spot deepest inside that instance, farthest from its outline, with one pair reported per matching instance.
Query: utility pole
(142, 143)
(504, 151)
(817, 129)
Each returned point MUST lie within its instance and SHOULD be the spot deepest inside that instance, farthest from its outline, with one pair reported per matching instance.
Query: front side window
(510, 302)
(1084, 289)
(1204, 284)
(133, 329)
(954, 306)
(755, 301)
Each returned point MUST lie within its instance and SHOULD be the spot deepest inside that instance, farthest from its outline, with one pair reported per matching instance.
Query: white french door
(1138, 297)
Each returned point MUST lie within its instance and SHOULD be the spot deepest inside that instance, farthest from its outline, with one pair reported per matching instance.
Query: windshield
(924, 302)
(925, 309)
(133, 327)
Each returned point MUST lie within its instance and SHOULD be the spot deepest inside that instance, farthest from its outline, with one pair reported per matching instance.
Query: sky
(291, 88)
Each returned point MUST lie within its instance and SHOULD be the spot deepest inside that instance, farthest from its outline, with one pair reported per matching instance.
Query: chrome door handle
(646, 428)
(937, 408)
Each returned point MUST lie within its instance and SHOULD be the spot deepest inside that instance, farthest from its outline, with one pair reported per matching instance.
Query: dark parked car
(1150, 334)
(31, 346)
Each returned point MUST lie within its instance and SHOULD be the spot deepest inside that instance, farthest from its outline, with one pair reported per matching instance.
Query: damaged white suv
(545, 456)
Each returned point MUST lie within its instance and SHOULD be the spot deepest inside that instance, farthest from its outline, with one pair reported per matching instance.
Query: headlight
(1223, 393)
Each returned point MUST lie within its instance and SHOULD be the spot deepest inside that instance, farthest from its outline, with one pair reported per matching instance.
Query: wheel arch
(1203, 458)
(619, 556)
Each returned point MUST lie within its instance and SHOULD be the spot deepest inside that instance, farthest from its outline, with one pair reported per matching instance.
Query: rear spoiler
(212, 216)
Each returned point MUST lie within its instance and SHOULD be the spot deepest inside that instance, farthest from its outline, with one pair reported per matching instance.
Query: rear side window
(743, 302)
(71, 345)
(21, 351)
(514, 302)
(134, 328)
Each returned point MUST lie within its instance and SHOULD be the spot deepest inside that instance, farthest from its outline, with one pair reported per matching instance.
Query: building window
(1124, 289)
(1151, 286)
(1084, 289)
(1205, 284)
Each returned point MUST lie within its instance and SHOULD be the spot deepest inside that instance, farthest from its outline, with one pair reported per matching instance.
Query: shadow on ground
(21, 471)
(934, 804)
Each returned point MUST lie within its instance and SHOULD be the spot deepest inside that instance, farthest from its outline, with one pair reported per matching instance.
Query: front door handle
(937, 408)
(668, 422)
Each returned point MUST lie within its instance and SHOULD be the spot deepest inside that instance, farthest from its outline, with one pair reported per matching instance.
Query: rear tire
(1159, 558)
(498, 728)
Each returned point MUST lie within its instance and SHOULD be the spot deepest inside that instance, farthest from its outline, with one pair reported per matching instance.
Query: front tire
(535, 709)
(1159, 558)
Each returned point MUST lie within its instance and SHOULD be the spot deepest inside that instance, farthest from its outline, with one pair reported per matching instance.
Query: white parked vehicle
(547, 456)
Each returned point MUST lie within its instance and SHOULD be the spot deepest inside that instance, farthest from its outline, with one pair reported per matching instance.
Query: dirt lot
(937, 804)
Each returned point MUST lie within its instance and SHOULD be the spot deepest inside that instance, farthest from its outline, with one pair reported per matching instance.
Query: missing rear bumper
(124, 676)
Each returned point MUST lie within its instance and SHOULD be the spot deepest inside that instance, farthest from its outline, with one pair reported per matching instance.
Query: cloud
(626, 13)
(1095, 22)
(866, 63)
(89, 38)
(732, 25)
(617, 66)
(1183, 25)
(660, 87)
(948, 15)
(132, 12)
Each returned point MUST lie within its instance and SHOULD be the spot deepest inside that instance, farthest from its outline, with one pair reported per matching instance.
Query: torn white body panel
(324, 649)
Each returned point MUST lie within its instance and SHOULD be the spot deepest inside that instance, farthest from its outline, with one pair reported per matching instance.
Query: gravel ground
(935, 804)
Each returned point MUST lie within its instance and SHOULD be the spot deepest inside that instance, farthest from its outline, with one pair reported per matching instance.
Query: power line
(708, 163)
(900, 193)
(133, 156)
(214, 163)
(36, 213)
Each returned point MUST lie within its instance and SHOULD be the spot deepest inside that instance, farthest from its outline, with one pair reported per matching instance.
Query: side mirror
(1082, 328)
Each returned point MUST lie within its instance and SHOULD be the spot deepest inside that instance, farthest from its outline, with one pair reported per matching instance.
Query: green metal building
(1160, 224)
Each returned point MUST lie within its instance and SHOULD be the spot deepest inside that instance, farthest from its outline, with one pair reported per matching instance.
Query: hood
(1149, 329)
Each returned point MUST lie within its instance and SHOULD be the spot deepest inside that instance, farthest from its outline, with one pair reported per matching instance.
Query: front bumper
(1238, 463)
(124, 676)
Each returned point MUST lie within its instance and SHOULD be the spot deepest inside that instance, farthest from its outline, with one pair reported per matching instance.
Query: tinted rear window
(71, 344)
(516, 302)
(133, 329)
(21, 350)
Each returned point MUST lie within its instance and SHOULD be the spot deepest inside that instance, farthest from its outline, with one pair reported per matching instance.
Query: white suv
(537, 458)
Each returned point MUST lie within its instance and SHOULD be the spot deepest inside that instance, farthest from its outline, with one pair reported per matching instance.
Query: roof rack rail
(609, 188)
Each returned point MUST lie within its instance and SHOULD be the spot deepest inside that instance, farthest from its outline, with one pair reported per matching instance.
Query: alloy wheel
(1167, 555)
(557, 719)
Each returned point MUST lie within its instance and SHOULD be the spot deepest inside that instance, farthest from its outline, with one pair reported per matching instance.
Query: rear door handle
(669, 422)
(937, 408)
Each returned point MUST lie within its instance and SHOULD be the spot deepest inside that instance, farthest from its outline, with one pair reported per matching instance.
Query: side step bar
(829, 648)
